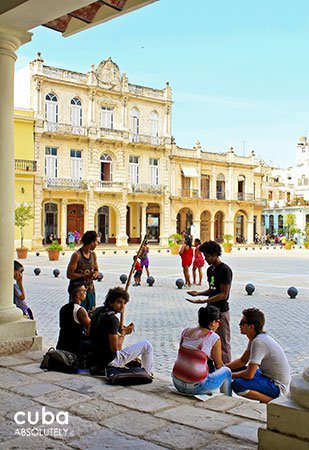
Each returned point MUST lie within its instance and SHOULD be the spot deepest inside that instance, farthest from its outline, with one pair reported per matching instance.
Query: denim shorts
(260, 383)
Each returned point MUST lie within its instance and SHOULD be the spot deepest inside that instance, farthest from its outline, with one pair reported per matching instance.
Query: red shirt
(138, 266)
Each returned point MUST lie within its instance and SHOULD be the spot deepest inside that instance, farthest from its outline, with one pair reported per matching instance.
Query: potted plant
(54, 250)
(174, 243)
(23, 215)
(289, 244)
(227, 244)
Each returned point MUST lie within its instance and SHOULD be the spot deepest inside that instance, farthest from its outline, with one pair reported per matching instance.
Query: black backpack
(60, 361)
(127, 376)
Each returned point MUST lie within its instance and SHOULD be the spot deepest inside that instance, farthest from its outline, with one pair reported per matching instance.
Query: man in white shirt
(267, 374)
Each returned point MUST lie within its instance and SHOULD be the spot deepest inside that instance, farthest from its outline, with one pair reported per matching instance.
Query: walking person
(186, 254)
(19, 295)
(191, 372)
(84, 266)
(198, 262)
(219, 276)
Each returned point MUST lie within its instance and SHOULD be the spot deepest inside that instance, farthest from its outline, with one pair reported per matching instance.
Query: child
(138, 272)
(19, 292)
(198, 262)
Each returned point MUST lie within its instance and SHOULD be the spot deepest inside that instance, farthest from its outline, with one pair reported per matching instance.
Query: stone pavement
(97, 416)
(149, 417)
(160, 312)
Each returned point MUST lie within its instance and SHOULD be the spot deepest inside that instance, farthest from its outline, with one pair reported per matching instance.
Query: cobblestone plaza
(161, 312)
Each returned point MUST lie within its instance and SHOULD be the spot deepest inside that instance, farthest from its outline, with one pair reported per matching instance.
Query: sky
(238, 69)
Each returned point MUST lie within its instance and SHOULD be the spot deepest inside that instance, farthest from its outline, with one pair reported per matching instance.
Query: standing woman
(144, 258)
(186, 254)
(198, 262)
(190, 372)
(84, 266)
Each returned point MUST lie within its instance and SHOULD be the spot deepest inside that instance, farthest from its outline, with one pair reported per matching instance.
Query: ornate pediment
(108, 75)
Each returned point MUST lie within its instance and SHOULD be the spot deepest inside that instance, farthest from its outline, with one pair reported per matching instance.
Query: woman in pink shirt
(191, 371)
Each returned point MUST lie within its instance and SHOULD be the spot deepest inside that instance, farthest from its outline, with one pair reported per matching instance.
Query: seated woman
(191, 372)
(74, 322)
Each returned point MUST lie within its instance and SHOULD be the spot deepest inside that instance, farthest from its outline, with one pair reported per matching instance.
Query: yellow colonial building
(25, 167)
(106, 160)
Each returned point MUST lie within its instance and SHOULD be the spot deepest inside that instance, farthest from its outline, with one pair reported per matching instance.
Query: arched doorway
(205, 226)
(184, 221)
(75, 218)
(50, 221)
(218, 226)
(106, 224)
(153, 222)
(240, 227)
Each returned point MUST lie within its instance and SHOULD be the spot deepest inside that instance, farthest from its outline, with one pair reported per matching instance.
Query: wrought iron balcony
(66, 183)
(220, 195)
(147, 188)
(108, 186)
(64, 128)
(189, 193)
(25, 165)
(241, 196)
(205, 194)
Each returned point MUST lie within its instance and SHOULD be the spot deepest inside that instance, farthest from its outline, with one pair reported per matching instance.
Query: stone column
(63, 227)
(122, 238)
(212, 230)
(143, 220)
(11, 327)
(250, 238)
(37, 220)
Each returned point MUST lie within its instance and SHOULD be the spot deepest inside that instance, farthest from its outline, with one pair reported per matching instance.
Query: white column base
(122, 241)
(19, 336)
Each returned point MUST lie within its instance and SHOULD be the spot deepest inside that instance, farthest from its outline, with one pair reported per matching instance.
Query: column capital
(13, 38)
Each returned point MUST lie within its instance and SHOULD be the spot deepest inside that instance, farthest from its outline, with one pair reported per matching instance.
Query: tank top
(86, 265)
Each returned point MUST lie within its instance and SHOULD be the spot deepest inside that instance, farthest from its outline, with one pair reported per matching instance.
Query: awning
(189, 172)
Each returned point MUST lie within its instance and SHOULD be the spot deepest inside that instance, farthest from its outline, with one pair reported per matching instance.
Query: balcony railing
(145, 139)
(64, 128)
(220, 196)
(65, 183)
(24, 165)
(189, 193)
(147, 188)
(241, 196)
(109, 133)
(205, 194)
(108, 186)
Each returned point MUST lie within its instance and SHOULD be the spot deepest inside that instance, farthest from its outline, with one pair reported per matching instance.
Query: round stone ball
(37, 253)
(292, 292)
(56, 273)
(150, 281)
(37, 271)
(179, 283)
(123, 278)
(100, 277)
(250, 288)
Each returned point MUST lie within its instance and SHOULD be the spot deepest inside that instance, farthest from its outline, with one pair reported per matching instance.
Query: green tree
(23, 215)
(290, 225)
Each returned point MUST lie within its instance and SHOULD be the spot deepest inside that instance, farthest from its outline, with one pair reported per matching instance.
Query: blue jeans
(260, 383)
(221, 377)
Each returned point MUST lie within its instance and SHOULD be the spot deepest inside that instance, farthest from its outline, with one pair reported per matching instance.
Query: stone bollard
(150, 281)
(179, 283)
(292, 292)
(37, 271)
(56, 273)
(250, 288)
(123, 278)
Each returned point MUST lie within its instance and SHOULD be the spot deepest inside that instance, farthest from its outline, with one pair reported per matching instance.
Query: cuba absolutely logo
(42, 423)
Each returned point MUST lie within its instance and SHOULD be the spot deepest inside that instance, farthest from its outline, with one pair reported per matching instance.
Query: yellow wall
(24, 149)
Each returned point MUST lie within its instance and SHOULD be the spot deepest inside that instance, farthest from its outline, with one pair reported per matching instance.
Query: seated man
(107, 337)
(74, 322)
(268, 372)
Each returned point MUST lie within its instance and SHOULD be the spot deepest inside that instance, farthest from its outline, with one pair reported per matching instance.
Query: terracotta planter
(288, 246)
(227, 247)
(306, 245)
(22, 253)
(175, 249)
(53, 255)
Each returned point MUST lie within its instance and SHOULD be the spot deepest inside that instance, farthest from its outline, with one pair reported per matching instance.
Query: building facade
(25, 168)
(106, 160)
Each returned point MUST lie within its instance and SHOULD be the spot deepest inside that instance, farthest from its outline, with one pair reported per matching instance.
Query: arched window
(154, 120)
(134, 116)
(76, 115)
(106, 167)
(220, 187)
(51, 112)
(241, 187)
